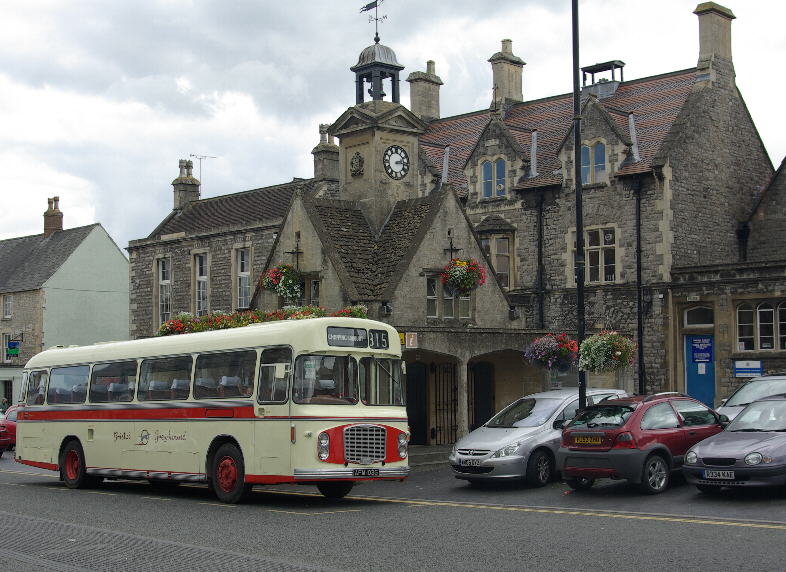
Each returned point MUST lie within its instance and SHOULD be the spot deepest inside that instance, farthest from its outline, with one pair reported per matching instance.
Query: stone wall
(26, 319)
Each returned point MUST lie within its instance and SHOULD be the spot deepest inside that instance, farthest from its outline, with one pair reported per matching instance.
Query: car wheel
(73, 470)
(228, 473)
(335, 490)
(580, 483)
(540, 468)
(655, 475)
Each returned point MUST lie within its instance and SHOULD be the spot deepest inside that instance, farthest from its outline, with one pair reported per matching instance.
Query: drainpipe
(541, 294)
(639, 294)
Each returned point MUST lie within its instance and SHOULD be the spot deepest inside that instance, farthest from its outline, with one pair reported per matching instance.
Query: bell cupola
(376, 64)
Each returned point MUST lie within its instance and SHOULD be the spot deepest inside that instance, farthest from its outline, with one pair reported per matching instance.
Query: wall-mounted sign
(411, 340)
(701, 349)
(748, 368)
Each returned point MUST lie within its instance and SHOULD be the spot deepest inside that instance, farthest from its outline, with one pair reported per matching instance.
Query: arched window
(745, 327)
(593, 163)
(493, 178)
(699, 316)
(500, 177)
(488, 180)
(766, 317)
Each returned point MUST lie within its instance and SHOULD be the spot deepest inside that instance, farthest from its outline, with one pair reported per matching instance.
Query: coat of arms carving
(356, 165)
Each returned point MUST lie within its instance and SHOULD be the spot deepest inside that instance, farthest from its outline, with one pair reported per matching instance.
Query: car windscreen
(526, 412)
(755, 390)
(761, 416)
(610, 415)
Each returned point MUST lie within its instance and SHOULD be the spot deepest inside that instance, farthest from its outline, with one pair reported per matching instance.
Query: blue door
(700, 368)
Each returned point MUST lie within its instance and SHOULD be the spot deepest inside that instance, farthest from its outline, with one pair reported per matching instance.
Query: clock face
(396, 162)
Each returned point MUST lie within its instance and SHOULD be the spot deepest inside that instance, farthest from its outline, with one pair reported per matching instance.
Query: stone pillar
(462, 413)
(507, 71)
(424, 93)
(714, 30)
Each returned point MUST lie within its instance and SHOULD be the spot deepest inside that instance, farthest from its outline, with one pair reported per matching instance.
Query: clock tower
(378, 139)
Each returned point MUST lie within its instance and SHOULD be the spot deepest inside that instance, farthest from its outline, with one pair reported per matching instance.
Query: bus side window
(274, 374)
(111, 382)
(226, 374)
(36, 387)
(68, 384)
(156, 377)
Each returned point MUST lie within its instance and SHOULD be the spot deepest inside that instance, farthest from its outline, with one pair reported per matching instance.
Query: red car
(642, 438)
(8, 430)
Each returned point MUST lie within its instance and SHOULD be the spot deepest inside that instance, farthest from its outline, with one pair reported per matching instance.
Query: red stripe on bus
(245, 412)
(48, 466)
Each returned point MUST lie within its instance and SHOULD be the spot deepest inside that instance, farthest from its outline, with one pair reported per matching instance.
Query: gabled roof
(27, 262)
(247, 208)
(655, 102)
(366, 261)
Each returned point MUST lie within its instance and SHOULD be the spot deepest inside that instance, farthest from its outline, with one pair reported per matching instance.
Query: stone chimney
(714, 31)
(424, 93)
(325, 156)
(186, 187)
(53, 218)
(506, 69)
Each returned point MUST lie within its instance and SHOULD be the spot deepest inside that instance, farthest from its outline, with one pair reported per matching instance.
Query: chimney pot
(507, 46)
(53, 218)
(430, 68)
(189, 168)
(182, 166)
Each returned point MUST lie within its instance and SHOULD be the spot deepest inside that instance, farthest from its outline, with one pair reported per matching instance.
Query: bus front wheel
(335, 489)
(227, 474)
(73, 470)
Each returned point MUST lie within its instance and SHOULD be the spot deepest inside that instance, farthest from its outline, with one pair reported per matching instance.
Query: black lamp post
(580, 262)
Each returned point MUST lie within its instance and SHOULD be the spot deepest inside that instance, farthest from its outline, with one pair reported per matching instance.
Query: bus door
(272, 426)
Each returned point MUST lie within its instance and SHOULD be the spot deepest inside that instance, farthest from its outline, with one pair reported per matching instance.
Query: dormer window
(493, 178)
(593, 163)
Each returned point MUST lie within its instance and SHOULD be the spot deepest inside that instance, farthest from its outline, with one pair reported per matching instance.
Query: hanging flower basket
(606, 351)
(552, 351)
(461, 276)
(285, 281)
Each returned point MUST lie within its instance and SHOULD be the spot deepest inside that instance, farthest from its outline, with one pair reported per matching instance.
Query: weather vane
(376, 18)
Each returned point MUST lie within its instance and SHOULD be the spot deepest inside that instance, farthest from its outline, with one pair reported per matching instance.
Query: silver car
(753, 390)
(520, 441)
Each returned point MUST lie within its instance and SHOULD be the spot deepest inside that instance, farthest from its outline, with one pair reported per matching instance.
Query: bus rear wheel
(228, 473)
(73, 470)
(335, 489)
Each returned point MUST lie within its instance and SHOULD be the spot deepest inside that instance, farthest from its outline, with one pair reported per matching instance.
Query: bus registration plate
(365, 472)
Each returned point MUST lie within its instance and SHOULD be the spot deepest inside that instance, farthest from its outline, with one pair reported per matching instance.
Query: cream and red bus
(317, 401)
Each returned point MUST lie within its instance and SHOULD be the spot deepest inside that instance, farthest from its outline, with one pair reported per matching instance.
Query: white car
(520, 441)
(755, 389)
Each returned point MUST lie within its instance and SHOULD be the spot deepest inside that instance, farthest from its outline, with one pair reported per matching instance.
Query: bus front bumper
(351, 473)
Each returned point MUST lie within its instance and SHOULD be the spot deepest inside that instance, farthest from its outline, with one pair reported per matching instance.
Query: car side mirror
(723, 402)
(723, 420)
(558, 423)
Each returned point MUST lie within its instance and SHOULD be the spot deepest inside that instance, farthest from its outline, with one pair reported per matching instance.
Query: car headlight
(403, 445)
(691, 457)
(323, 446)
(507, 450)
(753, 458)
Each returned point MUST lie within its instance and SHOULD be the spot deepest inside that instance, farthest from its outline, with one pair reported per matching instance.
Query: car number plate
(365, 472)
(719, 475)
(587, 439)
(469, 462)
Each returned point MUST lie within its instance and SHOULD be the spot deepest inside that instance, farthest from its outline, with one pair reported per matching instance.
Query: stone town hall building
(681, 206)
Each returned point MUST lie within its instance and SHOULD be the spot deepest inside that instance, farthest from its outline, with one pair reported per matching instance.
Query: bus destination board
(347, 337)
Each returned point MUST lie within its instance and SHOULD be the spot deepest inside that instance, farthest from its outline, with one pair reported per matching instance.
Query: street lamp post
(580, 262)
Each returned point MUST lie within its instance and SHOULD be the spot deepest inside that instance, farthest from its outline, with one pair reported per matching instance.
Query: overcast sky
(99, 100)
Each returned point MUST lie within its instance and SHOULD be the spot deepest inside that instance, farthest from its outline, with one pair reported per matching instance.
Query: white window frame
(765, 330)
(5, 339)
(444, 304)
(201, 284)
(164, 275)
(600, 249)
(8, 306)
(242, 277)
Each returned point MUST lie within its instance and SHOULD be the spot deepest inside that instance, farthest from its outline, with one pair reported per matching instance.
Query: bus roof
(302, 335)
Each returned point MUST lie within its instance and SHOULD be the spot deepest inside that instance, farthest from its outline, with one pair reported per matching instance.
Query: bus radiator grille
(364, 444)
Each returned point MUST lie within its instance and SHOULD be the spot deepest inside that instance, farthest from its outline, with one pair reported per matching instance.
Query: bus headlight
(403, 445)
(323, 446)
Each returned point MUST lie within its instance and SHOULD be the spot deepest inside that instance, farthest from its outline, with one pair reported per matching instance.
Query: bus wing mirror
(404, 367)
(281, 370)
